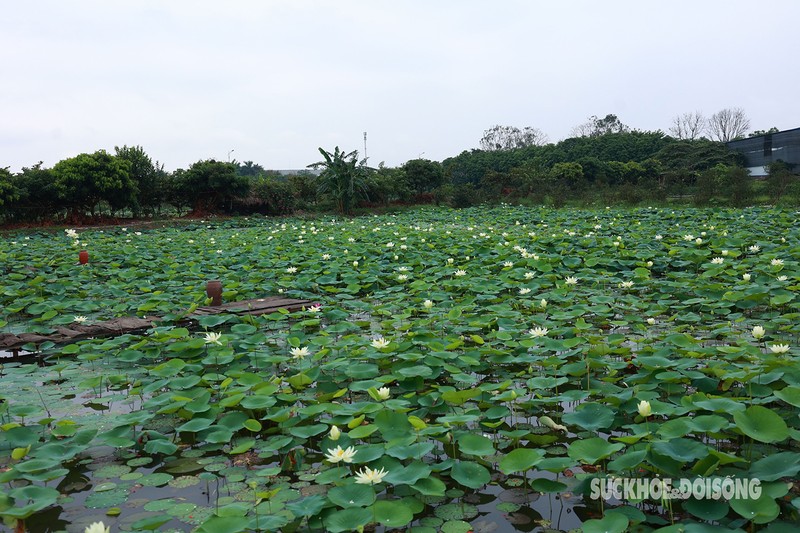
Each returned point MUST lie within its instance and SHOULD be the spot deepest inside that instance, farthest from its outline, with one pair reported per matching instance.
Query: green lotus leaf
(353, 495)
(308, 506)
(470, 474)
(611, 523)
(473, 444)
(392, 513)
(761, 424)
(226, 524)
(759, 510)
(592, 450)
(348, 519)
(520, 460)
(590, 416)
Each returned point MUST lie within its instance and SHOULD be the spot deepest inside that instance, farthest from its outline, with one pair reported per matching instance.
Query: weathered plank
(120, 326)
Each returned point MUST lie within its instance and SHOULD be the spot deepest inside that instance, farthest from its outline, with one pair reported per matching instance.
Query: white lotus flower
(355, 263)
(384, 393)
(776, 262)
(97, 527)
(529, 275)
(402, 277)
(325, 257)
(213, 338)
(427, 304)
(524, 290)
(72, 234)
(291, 270)
(80, 319)
(779, 348)
(626, 284)
(782, 278)
(334, 433)
(755, 248)
(369, 476)
(717, 261)
(746, 277)
(758, 332)
(651, 321)
(659, 237)
(543, 303)
(644, 408)
(460, 273)
(380, 343)
(508, 264)
(538, 332)
(724, 253)
(571, 280)
(337, 454)
(698, 241)
(299, 353)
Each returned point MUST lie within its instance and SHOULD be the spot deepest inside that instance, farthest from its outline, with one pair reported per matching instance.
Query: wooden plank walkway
(13, 343)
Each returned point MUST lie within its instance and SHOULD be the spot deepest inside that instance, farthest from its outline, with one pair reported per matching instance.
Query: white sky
(274, 80)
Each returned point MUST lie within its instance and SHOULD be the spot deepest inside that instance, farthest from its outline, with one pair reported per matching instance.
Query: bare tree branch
(508, 137)
(688, 126)
(728, 124)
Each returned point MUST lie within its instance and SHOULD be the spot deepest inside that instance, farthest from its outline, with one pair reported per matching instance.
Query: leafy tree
(470, 167)
(8, 191)
(509, 137)
(568, 174)
(248, 168)
(38, 197)
(387, 185)
(210, 186)
(343, 178)
(148, 176)
(84, 181)
(304, 188)
(688, 126)
(423, 175)
(756, 133)
(696, 156)
(269, 195)
(724, 182)
(728, 124)
(779, 179)
(629, 146)
(595, 127)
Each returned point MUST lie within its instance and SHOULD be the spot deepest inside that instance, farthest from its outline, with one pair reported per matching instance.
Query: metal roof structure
(761, 150)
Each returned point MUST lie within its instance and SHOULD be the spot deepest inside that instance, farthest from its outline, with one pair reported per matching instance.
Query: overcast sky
(274, 80)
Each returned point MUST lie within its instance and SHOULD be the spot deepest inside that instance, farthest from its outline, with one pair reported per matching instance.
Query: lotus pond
(467, 370)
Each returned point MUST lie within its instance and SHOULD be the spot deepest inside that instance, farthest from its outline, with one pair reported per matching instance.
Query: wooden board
(11, 342)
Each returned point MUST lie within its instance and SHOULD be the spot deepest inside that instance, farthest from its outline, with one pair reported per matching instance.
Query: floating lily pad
(156, 479)
(110, 498)
(456, 511)
(112, 471)
(456, 526)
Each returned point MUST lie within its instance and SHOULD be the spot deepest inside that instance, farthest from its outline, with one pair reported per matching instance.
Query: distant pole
(365, 146)
(229, 155)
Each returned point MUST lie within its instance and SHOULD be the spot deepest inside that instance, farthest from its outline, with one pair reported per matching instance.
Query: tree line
(604, 162)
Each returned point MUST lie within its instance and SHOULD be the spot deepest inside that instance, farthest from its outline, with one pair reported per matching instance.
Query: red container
(214, 291)
(83, 257)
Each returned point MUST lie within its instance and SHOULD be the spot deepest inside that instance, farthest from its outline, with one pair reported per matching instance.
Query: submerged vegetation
(464, 370)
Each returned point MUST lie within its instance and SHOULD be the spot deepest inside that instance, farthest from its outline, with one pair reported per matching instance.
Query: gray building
(762, 150)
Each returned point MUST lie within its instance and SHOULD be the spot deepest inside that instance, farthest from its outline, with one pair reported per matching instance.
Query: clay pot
(214, 291)
(83, 257)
